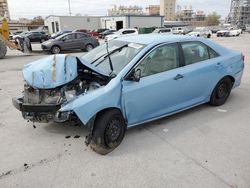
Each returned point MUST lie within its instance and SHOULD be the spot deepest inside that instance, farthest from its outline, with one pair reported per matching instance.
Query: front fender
(87, 105)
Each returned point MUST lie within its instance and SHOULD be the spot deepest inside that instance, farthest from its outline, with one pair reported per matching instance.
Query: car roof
(153, 38)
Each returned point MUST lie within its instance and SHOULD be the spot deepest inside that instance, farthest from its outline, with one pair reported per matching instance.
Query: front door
(160, 88)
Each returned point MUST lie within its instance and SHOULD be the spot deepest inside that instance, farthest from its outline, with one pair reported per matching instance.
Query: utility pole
(69, 8)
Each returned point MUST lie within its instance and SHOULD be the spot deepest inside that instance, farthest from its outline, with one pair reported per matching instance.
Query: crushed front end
(51, 83)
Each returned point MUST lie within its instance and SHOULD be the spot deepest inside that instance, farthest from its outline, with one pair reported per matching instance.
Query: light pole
(69, 8)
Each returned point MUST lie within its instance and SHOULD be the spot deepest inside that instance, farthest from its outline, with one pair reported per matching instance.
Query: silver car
(70, 41)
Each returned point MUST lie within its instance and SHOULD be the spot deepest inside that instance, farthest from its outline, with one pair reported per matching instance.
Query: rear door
(81, 40)
(201, 71)
(68, 42)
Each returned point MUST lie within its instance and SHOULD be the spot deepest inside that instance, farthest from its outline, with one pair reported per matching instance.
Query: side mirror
(135, 75)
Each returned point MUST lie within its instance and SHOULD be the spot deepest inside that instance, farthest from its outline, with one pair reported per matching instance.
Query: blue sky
(31, 8)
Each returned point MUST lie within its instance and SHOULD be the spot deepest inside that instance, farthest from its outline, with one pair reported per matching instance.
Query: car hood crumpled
(54, 71)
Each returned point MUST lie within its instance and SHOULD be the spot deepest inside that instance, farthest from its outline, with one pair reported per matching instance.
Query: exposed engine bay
(42, 105)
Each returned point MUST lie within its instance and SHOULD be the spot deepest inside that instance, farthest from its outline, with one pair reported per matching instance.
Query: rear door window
(194, 52)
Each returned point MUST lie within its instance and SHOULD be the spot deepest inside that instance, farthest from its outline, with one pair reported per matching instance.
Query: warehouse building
(131, 21)
(62, 23)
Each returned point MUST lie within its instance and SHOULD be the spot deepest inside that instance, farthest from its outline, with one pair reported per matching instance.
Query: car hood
(55, 70)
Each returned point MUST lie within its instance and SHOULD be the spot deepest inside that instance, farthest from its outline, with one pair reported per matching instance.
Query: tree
(213, 19)
(38, 20)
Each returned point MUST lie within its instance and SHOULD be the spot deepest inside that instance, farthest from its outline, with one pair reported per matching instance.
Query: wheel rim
(113, 132)
(89, 47)
(56, 50)
(222, 91)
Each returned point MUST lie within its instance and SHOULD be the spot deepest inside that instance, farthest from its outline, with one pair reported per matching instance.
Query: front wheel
(221, 92)
(109, 131)
(42, 40)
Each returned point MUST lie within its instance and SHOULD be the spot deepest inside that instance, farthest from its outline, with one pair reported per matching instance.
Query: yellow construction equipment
(5, 42)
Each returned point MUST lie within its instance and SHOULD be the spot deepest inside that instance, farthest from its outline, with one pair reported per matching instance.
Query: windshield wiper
(110, 62)
(108, 54)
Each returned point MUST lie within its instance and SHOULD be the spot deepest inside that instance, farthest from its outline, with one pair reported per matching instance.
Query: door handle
(178, 77)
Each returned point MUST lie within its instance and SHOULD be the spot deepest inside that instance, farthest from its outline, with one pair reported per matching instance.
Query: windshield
(121, 53)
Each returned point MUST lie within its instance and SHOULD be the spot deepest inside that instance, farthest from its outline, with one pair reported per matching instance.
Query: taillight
(243, 58)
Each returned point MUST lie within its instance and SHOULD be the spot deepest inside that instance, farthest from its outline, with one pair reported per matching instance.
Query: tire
(89, 47)
(55, 49)
(221, 92)
(208, 36)
(3, 49)
(109, 131)
(42, 40)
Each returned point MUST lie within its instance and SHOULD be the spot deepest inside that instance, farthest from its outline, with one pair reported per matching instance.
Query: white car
(163, 31)
(201, 32)
(122, 32)
(229, 32)
(178, 30)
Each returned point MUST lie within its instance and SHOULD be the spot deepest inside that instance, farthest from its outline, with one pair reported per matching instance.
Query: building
(185, 14)
(153, 10)
(62, 23)
(199, 15)
(131, 21)
(167, 9)
(4, 9)
(125, 10)
(239, 12)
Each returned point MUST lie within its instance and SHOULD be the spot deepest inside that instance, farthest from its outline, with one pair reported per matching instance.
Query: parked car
(101, 30)
(200, 32)
(122, 32)
(93, 33)
(215, 29)
(53, 36)
(178, 30)
(20, 34)
(36, 36)
(70, 41)
(229, 32)
(130, 81)
(163, 30)
(81, 30)
(106, 33)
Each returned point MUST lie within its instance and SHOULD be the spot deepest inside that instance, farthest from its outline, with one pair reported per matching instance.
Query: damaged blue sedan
(128, 81)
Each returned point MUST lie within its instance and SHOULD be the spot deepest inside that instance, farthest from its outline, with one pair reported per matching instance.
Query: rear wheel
(89, 47)
(55, 49)
(221, 92)
(109, 131)
(3, 49)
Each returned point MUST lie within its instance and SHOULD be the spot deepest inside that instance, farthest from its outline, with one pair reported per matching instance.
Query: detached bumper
(36, 108)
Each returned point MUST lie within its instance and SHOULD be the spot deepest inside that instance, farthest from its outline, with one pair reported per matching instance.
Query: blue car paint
(50, 72)
(54, 71)
(159, 95)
